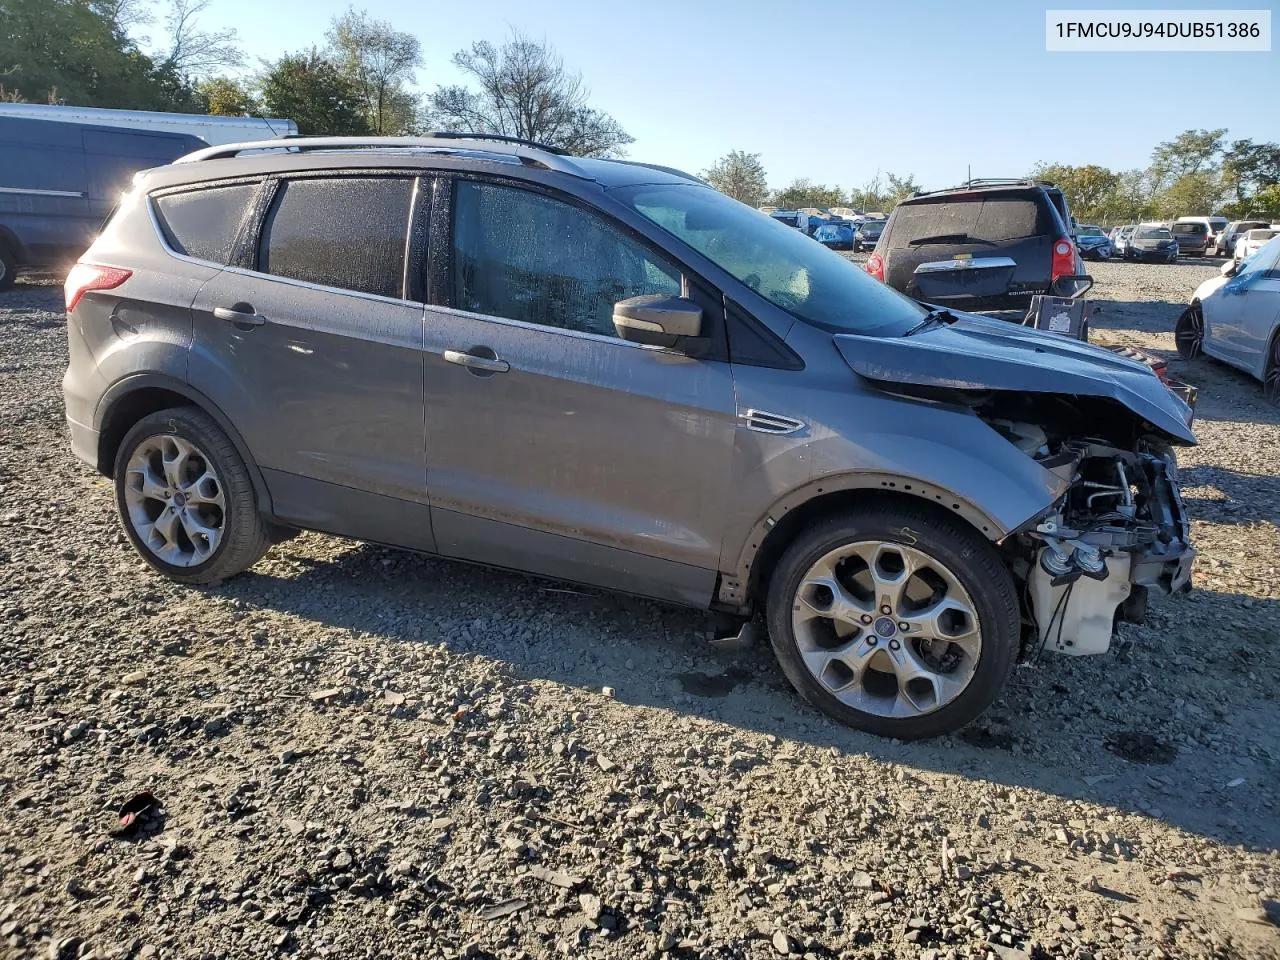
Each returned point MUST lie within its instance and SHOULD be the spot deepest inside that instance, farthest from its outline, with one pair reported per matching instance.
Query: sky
(835, 91)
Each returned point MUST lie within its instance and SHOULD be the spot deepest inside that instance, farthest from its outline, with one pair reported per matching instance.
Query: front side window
(782, 265)
(528, 257)
(204, 223)
(346, 232)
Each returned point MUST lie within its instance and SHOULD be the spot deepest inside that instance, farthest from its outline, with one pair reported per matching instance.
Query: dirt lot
(364, 753)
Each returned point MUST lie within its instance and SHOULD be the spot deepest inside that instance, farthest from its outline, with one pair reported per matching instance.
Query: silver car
(609, 373)
(1235, 318)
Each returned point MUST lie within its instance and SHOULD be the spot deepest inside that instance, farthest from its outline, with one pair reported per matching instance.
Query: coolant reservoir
(1083, 624)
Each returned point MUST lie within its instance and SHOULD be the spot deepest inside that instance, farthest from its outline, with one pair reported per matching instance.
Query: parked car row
(1252, 241)
(854, 231)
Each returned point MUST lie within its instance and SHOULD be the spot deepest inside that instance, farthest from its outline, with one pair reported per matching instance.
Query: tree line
(1197, 173)
(741, 175)
(361, 81)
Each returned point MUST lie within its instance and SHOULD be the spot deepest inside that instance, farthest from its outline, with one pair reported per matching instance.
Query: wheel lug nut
(904, 627)
(866, 618)
(872, 640)
(894, 645)
(886, 609)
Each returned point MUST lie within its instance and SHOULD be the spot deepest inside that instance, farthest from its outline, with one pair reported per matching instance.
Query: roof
(414, 150)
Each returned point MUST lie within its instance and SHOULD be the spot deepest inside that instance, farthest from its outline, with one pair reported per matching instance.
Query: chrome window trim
(526, 325)
(31, 191)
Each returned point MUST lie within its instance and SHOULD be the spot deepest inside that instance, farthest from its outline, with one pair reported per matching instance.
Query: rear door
(553, 446)
(972, 247)
(313, 348)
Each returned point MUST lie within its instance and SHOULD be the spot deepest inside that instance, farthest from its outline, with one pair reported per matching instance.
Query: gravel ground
(363, 753)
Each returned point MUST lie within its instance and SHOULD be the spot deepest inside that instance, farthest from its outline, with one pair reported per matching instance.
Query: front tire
(8, 268)
(1188, 332)
(898, 620)
(1271, 375)
(185, 498)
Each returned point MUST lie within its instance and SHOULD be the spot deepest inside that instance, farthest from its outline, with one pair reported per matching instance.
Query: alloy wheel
(886, 629)
(1189, 336)
(1271, 378)
(174, 499)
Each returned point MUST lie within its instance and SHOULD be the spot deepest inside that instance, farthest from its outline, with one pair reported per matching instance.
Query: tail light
(1064, 259)
(875, 266)
(91, 276)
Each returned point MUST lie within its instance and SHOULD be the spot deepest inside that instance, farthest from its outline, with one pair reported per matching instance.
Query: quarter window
(205, 223)
(524, 256)
(346, 232)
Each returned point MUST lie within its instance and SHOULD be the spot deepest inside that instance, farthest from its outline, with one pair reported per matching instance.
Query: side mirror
(658, 320)
(1229, 268)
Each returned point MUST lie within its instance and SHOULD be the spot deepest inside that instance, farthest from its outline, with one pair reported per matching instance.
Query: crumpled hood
(976, 353)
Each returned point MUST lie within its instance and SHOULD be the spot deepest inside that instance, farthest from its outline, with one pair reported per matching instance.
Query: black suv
(988, 244)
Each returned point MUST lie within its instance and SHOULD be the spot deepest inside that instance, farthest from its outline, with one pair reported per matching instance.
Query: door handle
(242, 315)
(488, 364)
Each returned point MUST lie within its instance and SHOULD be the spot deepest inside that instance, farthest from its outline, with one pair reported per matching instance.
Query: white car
(1253, 241)
(1235, 318)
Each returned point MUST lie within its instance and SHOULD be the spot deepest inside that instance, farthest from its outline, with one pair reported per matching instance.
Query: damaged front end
(1104, 425)
(1089, 561)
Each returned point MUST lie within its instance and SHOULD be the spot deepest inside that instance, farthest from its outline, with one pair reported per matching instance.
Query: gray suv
(609, 373)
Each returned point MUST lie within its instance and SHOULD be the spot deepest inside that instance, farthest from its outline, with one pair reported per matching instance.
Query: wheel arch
(788, 516)
(128, 400)
(10, 241)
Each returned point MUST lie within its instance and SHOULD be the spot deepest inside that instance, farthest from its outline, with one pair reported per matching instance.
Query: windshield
(783, 266)
(1155, 233)
(875, 227)
(1089, 232)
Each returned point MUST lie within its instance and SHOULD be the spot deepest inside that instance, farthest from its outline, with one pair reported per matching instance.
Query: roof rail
(496, 138)
(520, 149)
(1008, 181)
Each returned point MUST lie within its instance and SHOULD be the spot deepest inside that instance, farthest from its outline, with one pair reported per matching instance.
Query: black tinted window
(993, 219)
(204, 223)
(525, 256)
(1190, 228)
(344, 232)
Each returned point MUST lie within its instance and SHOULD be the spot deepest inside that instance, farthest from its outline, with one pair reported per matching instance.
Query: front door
(553, 446)
(316, 357)
(1246, 304)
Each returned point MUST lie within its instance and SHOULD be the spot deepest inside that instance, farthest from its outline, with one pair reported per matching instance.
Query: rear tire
(8, 268)
(186, 499)
(934, 662)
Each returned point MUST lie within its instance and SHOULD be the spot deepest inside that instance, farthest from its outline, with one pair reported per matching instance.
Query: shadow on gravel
(1050, 731)
(1242, 498)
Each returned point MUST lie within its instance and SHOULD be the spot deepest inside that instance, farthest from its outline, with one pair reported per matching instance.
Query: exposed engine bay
(1119, 530)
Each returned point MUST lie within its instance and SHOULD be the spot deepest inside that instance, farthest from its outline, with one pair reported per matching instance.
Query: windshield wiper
(937, 315)
(948, 238)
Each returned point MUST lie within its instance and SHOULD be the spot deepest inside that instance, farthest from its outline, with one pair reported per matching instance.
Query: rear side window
(205, 223)
(989, 219)
(346, 232)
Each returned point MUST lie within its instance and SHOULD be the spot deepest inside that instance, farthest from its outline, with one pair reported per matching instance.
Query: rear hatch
(972, 246)
(1190, 234)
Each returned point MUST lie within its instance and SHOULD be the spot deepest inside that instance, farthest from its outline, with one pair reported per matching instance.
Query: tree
(899, 189)
(1189, 152)
(315, 93)
(381, 62)
(1192, 194)
(74, 51)
(739, 175)
(226, 97)
(1090, 190)
(1249, 167)
(803, 192)
(193, 51)
(524, 90)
